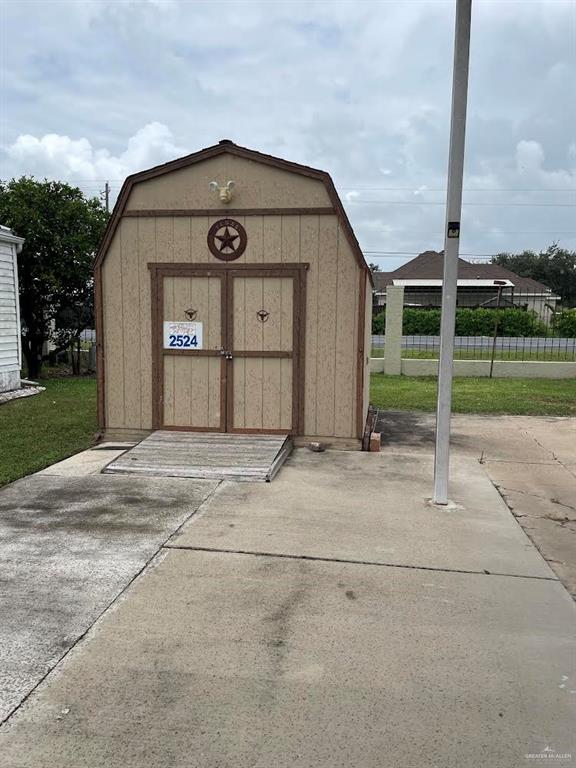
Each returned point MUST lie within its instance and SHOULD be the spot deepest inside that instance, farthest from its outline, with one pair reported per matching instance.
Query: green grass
(485, 354)
(40, 430)
(530, 397)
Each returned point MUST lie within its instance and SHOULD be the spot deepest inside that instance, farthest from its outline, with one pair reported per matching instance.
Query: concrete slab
(543, 500)
(532, 460)
(492, 437)
(552, 535)
(90, 462)
(557, 436)
(542, 482)
(231, 660)
(369, 508)
(70, 545)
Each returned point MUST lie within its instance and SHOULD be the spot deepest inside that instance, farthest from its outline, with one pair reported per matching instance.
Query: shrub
(379, 323)
(473, 322)
(424, 322)
(477, 322)
(565, 323)
(511, 322)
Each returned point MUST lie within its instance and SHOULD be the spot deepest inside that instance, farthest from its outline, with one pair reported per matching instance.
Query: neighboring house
(10, 345)
(422, 281)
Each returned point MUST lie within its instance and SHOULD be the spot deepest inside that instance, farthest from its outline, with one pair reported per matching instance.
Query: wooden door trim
(157, 274)
(360, 352)
(295, 270)
(191, 352)
(298, 274)
(183, 269)
(267, 353)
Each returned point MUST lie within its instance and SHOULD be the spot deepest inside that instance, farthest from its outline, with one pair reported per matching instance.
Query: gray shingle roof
(429, 266)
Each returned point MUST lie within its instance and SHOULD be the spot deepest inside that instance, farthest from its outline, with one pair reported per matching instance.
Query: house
(422, 281)
(10, 344)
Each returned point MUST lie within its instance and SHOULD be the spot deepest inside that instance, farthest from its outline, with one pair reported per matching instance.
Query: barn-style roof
(225, 146)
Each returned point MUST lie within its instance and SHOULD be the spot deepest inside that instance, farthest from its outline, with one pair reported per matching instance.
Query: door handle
(226, 354)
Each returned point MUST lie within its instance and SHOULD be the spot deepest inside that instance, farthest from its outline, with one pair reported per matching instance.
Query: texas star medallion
(227, 239)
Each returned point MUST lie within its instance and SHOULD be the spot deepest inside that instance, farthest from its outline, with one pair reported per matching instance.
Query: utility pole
(500, 284)
(451, 248)
(106, 195)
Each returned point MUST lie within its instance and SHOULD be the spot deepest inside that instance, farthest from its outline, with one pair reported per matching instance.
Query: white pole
(451, 248)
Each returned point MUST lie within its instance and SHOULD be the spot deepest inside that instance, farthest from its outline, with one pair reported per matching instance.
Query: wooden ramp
(205, 455)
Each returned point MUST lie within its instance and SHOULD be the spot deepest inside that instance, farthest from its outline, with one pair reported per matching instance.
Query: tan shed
(232, 296)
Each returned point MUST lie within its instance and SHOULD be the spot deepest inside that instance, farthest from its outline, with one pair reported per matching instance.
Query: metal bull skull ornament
(224, 191)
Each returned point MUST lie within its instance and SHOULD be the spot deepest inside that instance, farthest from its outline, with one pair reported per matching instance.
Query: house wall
(9, 319)
(333, 301)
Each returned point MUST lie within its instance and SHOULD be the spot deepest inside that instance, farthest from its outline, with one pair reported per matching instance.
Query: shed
(232, 296)
(10, 342)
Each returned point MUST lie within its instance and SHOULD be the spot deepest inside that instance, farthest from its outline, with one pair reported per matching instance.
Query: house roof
(429, 266)
(8, 236)
(227, 146)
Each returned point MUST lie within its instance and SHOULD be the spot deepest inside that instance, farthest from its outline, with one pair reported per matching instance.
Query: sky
(93, 90)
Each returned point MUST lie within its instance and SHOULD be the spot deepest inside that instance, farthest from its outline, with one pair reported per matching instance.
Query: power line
(437, 189)
(417, 253)
(488, 205)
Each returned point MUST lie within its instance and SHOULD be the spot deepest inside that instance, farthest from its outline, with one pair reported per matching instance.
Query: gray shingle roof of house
(429, 266)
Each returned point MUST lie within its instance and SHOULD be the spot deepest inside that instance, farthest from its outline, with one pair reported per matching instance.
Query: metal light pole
(500, 284)
(451, 248)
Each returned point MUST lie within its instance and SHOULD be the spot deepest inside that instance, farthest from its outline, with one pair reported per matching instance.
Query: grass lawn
(522, 397)
(40, 430)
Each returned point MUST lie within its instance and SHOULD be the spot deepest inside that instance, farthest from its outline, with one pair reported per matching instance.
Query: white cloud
(99, 89)
(76, 159)
(529, 156)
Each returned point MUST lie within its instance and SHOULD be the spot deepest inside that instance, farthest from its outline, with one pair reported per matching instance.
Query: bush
(379, 324)
(511, 322)
(565, 323)
(475, 322)
(421, 322)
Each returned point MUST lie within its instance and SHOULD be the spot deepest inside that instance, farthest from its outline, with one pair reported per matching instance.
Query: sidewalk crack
(352, 561)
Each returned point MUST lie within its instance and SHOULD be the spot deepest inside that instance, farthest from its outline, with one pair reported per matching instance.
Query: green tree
(62, 229)
(555, 267)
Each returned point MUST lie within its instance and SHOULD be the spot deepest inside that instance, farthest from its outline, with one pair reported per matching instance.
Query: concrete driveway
(71, 541)
(532, 462)
(331, 618)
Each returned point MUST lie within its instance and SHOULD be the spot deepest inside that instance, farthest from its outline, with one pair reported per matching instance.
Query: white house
(10, 344)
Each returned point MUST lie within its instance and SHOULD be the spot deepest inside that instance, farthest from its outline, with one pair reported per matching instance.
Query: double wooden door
(240, 366)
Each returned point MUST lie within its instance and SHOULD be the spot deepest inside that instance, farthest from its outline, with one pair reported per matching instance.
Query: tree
(62, 230)
(555, 267)
(374, 267)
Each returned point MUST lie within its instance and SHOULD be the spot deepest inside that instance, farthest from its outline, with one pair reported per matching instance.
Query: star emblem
(227, 240)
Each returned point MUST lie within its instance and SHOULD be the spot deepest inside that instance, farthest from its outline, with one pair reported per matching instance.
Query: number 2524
(182, 340)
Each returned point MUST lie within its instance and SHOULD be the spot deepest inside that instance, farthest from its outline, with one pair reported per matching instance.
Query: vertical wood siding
(331, 313)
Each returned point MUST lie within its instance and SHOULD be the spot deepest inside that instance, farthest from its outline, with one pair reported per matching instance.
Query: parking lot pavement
(69, 545)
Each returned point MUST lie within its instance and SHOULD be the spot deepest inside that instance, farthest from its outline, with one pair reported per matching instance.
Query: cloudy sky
(97, 89)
